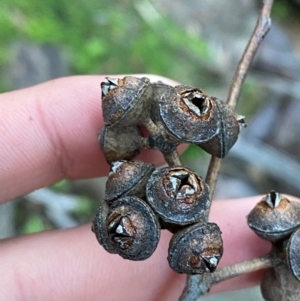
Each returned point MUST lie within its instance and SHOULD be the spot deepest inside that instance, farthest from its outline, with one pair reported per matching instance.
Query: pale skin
(49, 132)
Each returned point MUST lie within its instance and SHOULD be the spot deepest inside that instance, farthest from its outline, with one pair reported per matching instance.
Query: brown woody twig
(235, 270)
(195, 283)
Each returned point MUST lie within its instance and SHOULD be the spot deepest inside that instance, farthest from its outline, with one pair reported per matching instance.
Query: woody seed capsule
(132, 228)
(127, 178)
(188, 114)
(275, 217)
(196, 249)
(99, 228)
(293, 254)
(125, 101)
(229, 128)
(278, 284)
(178, 195)
(113, 150)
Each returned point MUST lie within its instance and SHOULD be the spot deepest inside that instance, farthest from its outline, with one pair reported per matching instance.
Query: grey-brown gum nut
(293, 254)
(221, 143)
(99, 227)
(280, 285)
(183, 119)
(179, 203)
(164, 141)
(128, 103)
(127, 178)
(113, 150)
(158, 90)
(196, 249)
(277, 223)
(146, 227)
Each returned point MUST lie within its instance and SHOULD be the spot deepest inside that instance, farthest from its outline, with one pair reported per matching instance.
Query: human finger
(49, 132)
(70, 265)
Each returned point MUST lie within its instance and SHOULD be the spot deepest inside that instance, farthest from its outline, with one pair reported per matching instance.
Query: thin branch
(206, 281)
(212, 176)
(241, 268)
(261, 29)
(172, 158)
(192, 289)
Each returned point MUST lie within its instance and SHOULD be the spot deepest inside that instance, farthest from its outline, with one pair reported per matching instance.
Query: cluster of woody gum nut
(140, 199)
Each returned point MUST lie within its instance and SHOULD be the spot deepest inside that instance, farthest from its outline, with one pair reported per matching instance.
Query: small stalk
(172, 158)
(206, 281)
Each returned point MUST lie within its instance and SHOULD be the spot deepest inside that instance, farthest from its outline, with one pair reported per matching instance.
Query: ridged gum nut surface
(221, 143)
(158, 91)
(189, 114)
(133, 228)
(122, 143)
(124, 105)
(196, 249)
(178, 195)
(280, 285)
(274, 223)
(100, 229)
(127, 178)
(293, 254)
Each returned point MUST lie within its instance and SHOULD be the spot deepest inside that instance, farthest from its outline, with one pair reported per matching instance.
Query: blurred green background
(95, 37)
(119, 37)
(107, 37)
(104, 37)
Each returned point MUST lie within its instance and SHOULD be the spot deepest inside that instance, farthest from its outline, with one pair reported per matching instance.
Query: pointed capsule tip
(111, 84)
(211, 263)
(273, 198)
(113, 81)
(241, 120)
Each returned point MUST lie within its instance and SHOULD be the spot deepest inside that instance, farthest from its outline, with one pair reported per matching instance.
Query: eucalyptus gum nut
(278, 284)
(196, 249)
(127, 178)
(100, 229)
(127, 103)
(158, 90)
(226, 137)
(120, 143)
(133, 229)
(293, 254)
(275, 217)
(163, 140)
(178, 195)
(189, 114)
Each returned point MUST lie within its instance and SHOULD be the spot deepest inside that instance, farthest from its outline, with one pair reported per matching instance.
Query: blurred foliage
(284, 10)
(34, 223)
(86, 209)
(105, 36)
(87, 205)
(108, 37)
(62, 186)
(30, 217)
(251, 95)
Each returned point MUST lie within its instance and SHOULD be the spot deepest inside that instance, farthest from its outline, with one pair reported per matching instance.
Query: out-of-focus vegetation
(284, 10)
(105, 36)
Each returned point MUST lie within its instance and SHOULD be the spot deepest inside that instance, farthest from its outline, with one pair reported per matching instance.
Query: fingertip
(50, 132)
